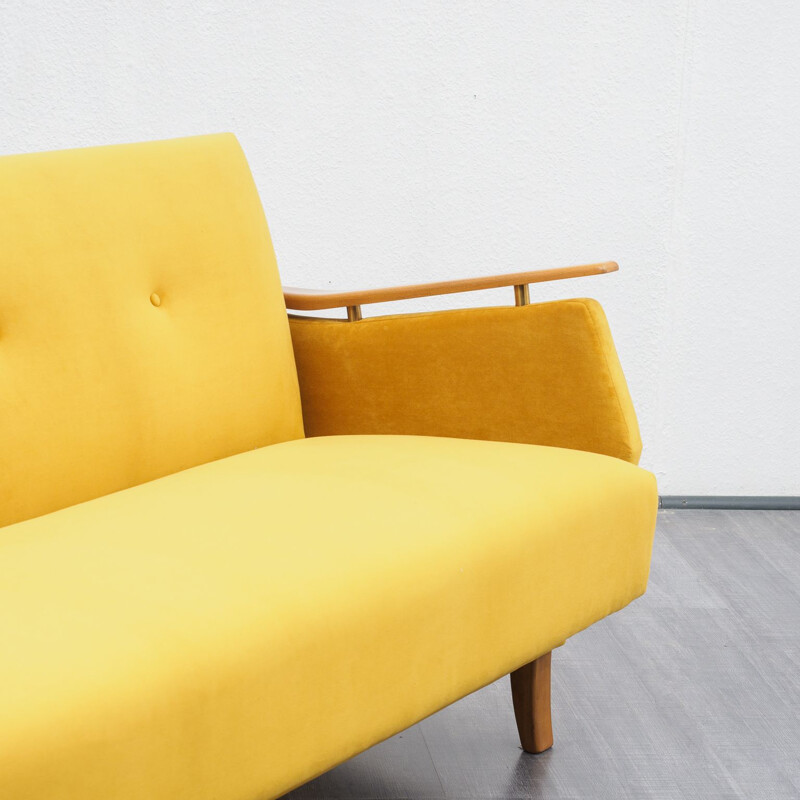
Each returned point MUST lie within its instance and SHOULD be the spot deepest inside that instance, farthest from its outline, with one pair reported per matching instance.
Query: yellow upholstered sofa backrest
(142, 323)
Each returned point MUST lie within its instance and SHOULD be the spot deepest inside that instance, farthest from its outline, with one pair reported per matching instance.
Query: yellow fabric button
(155, 299)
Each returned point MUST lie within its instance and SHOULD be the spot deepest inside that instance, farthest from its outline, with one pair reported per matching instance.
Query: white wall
(406, 142)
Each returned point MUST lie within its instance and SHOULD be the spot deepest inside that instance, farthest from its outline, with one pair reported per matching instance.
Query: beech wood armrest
(316, 300)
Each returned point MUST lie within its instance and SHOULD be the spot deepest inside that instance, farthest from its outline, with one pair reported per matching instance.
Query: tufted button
(155, 300)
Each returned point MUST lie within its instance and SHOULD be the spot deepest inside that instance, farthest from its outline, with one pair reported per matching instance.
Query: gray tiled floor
(692, 691)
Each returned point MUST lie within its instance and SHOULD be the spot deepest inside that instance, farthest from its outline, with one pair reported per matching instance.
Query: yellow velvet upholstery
(543, 374)
(236, 628)
(103, 385)
(279, 603)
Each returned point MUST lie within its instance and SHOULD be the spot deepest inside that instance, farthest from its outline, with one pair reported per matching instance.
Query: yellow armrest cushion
(541, 374)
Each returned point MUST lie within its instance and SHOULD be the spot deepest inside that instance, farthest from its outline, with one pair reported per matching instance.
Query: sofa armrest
(317, 300)
(545, 374)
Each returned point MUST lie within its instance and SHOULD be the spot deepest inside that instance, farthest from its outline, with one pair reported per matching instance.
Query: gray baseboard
(770, 503)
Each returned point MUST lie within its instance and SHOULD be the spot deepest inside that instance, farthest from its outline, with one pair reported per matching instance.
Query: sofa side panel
(541, 374)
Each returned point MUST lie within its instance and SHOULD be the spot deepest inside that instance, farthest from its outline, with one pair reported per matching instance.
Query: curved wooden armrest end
(316, 300)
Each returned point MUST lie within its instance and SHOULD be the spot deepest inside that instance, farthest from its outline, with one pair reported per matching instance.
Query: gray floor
(692, 691)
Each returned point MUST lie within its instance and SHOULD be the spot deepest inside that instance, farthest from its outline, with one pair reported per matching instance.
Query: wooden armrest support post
(314, 300)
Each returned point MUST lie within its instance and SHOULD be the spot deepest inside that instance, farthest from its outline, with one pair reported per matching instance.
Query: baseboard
(769, 503)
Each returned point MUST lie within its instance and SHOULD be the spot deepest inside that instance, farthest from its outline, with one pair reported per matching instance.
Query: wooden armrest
(316, 300)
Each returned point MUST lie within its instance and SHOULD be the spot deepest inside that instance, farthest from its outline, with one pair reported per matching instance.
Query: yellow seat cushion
(232, 630)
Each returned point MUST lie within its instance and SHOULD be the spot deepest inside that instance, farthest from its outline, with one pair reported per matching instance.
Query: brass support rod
(354, 313)
(521, 296)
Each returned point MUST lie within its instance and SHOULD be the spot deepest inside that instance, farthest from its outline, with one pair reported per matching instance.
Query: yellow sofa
(198, 600)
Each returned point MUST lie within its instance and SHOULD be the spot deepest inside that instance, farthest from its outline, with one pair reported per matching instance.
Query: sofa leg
(530, 690)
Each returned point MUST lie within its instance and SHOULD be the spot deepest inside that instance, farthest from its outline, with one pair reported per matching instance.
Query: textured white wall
(397, 142)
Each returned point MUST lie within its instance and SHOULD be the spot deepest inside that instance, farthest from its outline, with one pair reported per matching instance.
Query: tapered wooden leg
(530, 690)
